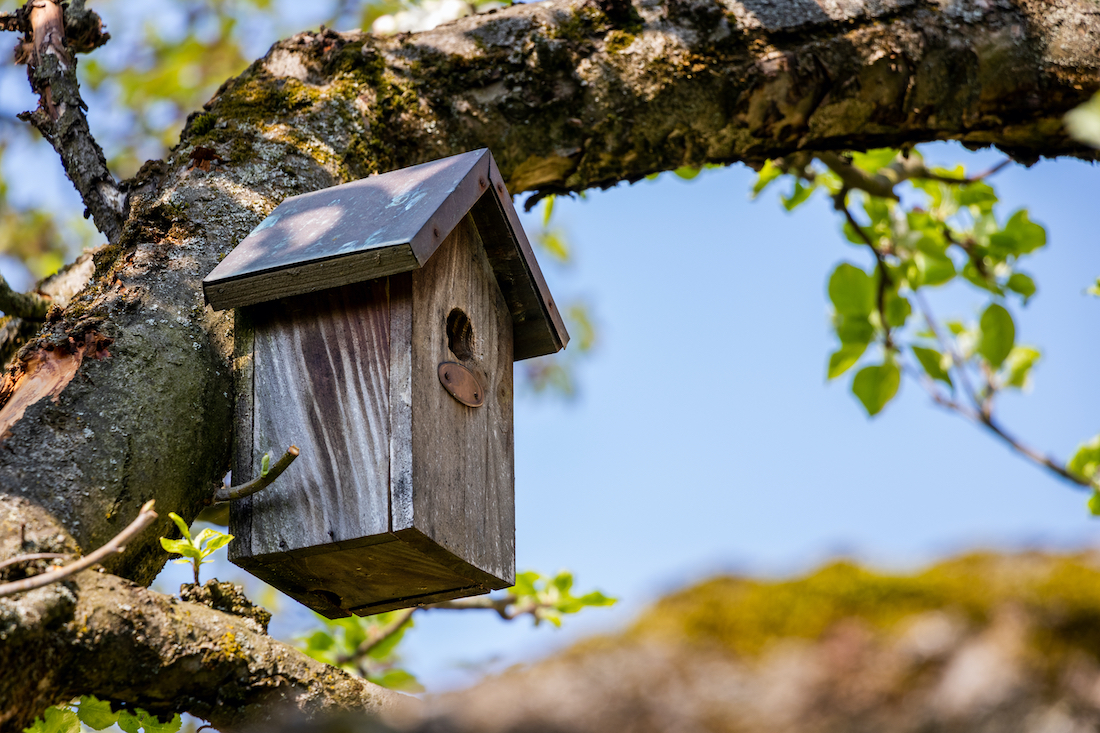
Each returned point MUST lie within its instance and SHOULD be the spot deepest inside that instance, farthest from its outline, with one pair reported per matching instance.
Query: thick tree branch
(60, 116)
(131, 645)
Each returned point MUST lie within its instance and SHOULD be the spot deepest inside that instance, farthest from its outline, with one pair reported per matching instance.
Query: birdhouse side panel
(321, 382)
(463, 466)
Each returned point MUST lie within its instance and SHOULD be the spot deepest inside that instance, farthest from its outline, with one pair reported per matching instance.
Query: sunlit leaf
(1083, 122)
(1017, 366)
(96, 714)
(1086, 461)
(998, 335)
(876, 385)
(769, 173)
(845, 358)
(852, 291)
(932, 362)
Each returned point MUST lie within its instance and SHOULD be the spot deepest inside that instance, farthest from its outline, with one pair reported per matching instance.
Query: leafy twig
(231, 493)
(880, 265)
(378, 634)
(982, 414)
(117, 544)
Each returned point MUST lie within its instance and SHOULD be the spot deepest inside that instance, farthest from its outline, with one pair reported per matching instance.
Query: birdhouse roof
(388, 224)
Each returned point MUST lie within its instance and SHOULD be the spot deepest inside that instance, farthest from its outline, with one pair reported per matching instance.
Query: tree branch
(31, 558)
(118, 544)
(130, 645)
(982, 414)
(260, 483)
(31, 306)
(60, 117)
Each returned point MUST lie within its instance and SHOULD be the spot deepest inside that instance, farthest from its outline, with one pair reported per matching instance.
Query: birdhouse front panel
(376, 327)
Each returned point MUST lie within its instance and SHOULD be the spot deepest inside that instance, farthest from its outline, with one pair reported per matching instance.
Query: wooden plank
(322, 383)
(368, 579)
(462, 456)
(401, 463)
(309, 277)
(240, 511)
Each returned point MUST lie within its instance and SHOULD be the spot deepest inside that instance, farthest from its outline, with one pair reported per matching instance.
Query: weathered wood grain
(322, 382)
(240, 512)
(462, 457)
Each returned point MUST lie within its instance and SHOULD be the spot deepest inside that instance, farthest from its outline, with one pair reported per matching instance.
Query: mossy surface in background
(1059, 594)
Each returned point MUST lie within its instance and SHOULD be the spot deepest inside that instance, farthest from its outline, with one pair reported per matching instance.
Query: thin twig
(13, 22)
(982, 414)
(118, 544)
(31, 306)
(377, 635)
(258, 484)
(32, 557)
(880, 260)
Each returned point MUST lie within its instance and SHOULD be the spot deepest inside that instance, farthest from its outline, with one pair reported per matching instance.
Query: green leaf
(1086, 461)
(876, 385)
(1083, 122)
(874, 160)
(932, 362)
(686, 172)
(1094, 504)
(398, 679)
(180, 547)
(933, 269)
(218, 541)
(852, 291)
(129, 722)
(265, 464)
(547, 209)
(769, 173)
(96, 714)
(854, 329)
(978, 194)
(1094, 289)
(1020, 236)
(318, 641)
(184, 529)
(845, 358)
(798, 196)
(55, 720)
(563, 581)
(555, 244)
(897, 309)
(998, 335)
(1022, 284)
(1018, 366)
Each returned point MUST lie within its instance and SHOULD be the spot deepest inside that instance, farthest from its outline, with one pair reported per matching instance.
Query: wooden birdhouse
(376, 327)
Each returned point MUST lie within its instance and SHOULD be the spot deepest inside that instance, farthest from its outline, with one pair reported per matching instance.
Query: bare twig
(258, 484)
(31, 558)
(115, 545)
(31, 306)
(60, 116)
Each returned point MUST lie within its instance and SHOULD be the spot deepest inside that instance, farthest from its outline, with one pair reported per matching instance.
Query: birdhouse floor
(379, 574)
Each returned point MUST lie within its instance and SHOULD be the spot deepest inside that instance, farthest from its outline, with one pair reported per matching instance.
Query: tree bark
(568, 94)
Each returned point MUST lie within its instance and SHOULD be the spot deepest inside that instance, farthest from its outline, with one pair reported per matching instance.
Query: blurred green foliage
(97, 715)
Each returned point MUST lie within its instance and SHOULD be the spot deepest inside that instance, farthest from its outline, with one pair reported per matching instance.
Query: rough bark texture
(568, 94)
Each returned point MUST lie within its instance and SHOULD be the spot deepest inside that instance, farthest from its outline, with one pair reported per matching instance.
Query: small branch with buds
(116, 545)
(231, 493)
